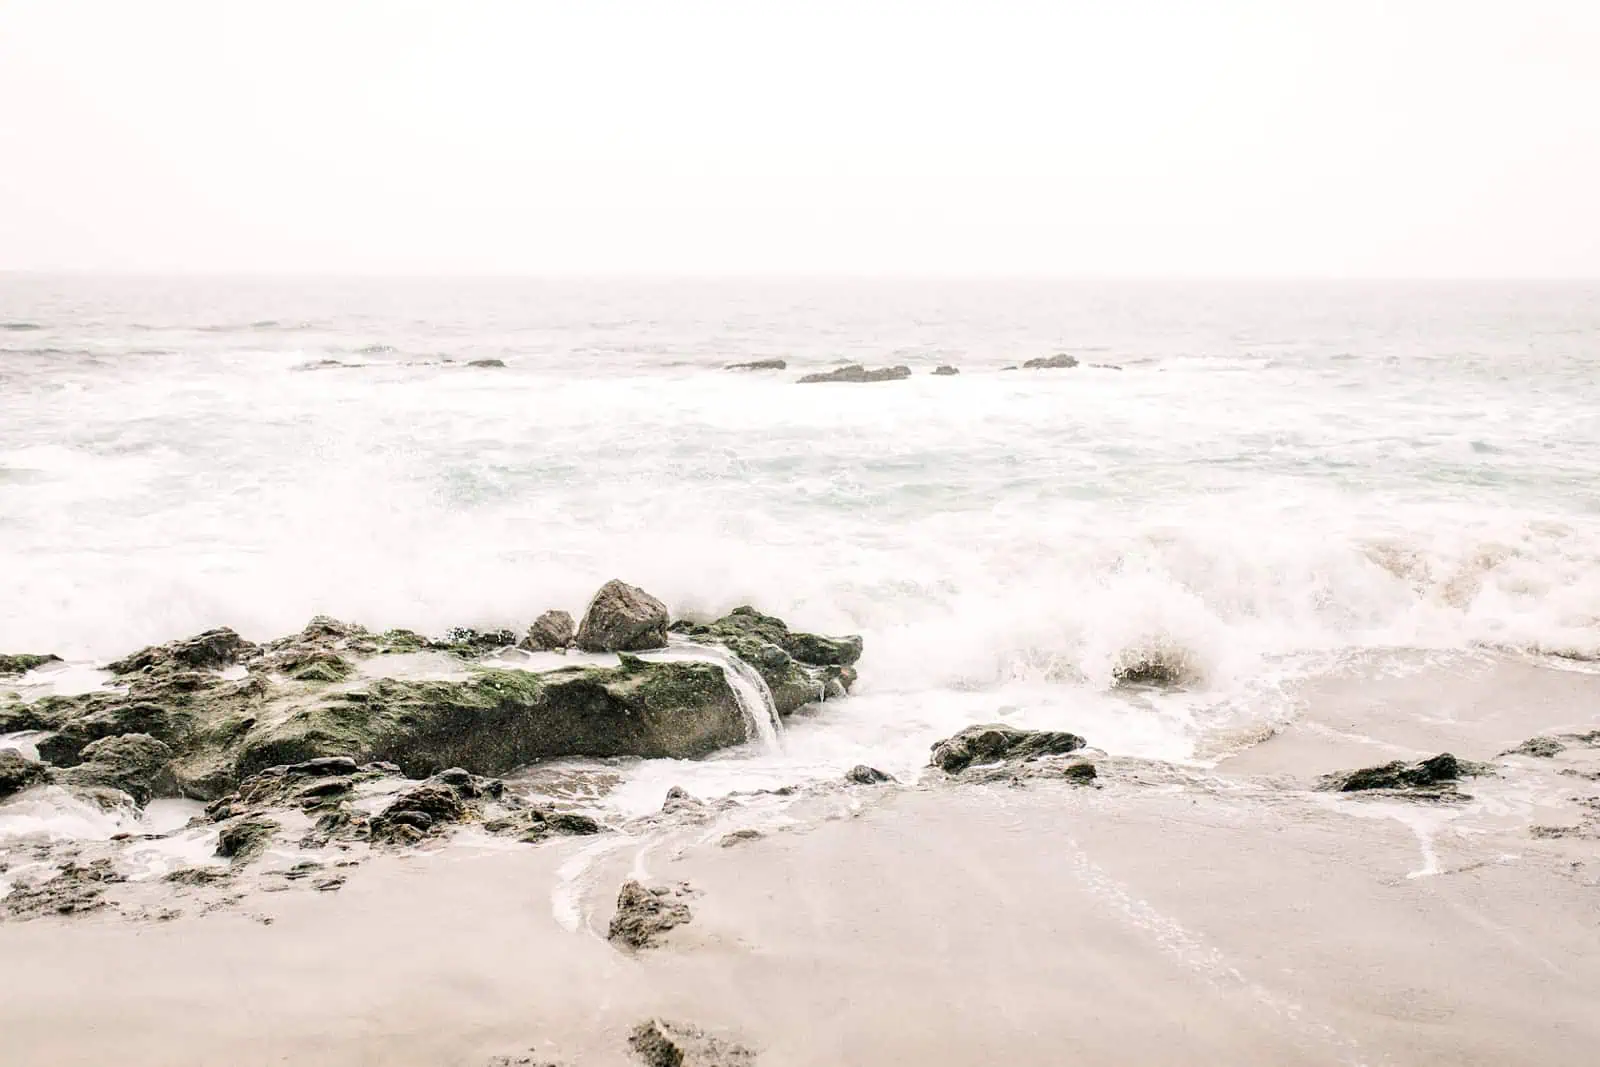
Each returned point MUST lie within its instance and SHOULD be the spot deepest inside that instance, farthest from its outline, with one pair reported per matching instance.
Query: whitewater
(1260, 483)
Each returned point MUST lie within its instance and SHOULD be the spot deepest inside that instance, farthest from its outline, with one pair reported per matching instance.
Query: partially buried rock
(623, 618)
(23, 662)
(133, 763)
(550, 632)
(994, 743)
(1434, 776)
(861, 774)
(856, 373)
(759, 364)
(18, 772)
(945, 371)
(658, 1043)
(643, 915)
(1056, 362)
(245, 838)
(73, 889)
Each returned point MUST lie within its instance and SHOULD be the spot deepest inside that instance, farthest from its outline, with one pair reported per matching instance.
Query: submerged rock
(1159, 666)
(486, 363)
(1058, 361)
(623, 618)
(212, 650)
(133, 763)
(858, 374)
(994, 743)
(1435, 775)
(680, 800)
(799, 668)
(658, 1043)
(18, 772)
(760, 364)
(645, 914)
(23, 662)
(550, 632)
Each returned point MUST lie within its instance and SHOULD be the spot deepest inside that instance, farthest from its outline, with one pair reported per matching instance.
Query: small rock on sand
(658, 1043)
(1434, 776)
(995, 742)
(644, 914)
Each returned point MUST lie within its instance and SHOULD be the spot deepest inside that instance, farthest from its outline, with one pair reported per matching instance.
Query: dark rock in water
(487, 363)
(23, 662)
(1080, 772)
(18, 772)
(552, 631)
(1541, 747)
(212, 650)
(856, 373)
(73, 890)
(759, 364)
(623, 618)
(243, 839)
(1059, 361)
(679, 800)
(1437, 774)
(644, 914)
(861, 774)
(993, 743)
(133, 763)
(500, 720)
(799, 668)
(571, 824)
(1158, 667)
(945, 371)
(658, 1043)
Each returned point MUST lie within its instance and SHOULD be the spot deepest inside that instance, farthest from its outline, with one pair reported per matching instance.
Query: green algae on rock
(799, 668)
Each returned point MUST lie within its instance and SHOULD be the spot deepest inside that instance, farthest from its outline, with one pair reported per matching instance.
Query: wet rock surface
(23, 662)
(861, 774)
(133, 763)
(213, 650)
(1433, 777)
(17, 772)
(995, 743)
(659, 1043)
(623, 618)
(73, 889)
(644, 914)
(857, 374)
(798, 668)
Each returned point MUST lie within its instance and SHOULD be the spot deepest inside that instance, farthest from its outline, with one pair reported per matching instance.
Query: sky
(1141, 138)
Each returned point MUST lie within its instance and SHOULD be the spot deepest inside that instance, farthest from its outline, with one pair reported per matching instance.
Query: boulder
(18, 772)
(1433, 777)
(23, 662)
(945, 371)
(643, 915)
(133, 763)
(1059, 361)
(856, 373)
(212, 650)
(623, 618)
(994, 743)
(799, 668)
(861, 774)
(550, 632)
(759, 364)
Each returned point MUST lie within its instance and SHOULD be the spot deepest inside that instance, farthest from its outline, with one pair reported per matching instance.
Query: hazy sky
(1134, 137)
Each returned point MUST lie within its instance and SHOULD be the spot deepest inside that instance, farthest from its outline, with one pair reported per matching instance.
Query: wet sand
(1171, 916)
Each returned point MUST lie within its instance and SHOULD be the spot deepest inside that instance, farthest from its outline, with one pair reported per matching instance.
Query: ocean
(1259, 484)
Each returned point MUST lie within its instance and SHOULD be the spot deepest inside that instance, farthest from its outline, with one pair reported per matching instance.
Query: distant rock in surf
(1059, 361)
(623, 618)
(1433, 778)
(995, 743)
(1539, 747)
(551, 632)
(861, 774)
(487, 363)
(23, 662)
(856, 373)
(945, 371)
(760, 364)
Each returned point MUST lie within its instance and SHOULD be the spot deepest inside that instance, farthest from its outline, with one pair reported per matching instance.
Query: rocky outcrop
(996, 743)
(1056, 362)
(759, 364)
(945, 371)
(551, 632)
(643, 915)
(73, 889)
(858, 374)
(212, 650)
(658, 1043)
(799, 668)
(133, 763)
(1434, 777)
(623, 618)
(18, 772)
(23, 662)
